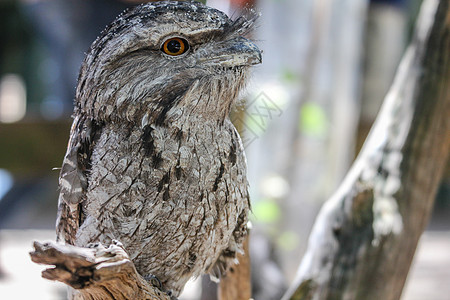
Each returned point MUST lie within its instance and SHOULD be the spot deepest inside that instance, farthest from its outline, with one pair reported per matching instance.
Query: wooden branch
(95, 273)
(236, 284)
(365, 236)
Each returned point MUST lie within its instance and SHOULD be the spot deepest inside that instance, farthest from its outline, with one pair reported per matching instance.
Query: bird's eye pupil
(175, 46)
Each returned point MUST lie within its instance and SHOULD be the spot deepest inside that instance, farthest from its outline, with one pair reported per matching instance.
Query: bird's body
(153, 160)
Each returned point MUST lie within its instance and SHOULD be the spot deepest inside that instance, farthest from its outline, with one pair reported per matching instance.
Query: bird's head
(165, 59)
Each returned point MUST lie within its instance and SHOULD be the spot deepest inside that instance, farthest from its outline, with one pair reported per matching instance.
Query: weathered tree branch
(108, 273)
(365, 236)
(95, 273)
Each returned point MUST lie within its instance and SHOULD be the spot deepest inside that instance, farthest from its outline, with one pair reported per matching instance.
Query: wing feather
(73, 179)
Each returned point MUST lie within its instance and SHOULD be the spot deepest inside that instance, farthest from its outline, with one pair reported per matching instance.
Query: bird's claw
(154, 281)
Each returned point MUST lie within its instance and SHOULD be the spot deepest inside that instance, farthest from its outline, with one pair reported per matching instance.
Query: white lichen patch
(387, 219)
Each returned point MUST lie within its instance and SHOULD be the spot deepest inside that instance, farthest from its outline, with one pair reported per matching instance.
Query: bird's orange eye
(175, 46)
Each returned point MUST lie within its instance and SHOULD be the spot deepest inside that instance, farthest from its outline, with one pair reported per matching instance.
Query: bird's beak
(232, 53)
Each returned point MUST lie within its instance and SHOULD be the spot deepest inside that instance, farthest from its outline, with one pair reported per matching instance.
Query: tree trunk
(365, 236)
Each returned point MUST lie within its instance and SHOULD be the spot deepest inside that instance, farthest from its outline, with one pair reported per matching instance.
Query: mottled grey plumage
(153, 160)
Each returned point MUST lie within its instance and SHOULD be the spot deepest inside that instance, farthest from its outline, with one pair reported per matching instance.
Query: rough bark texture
(95, 273)
(365, 237)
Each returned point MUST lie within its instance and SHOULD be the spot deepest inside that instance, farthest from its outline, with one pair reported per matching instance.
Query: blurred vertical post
(236, 285)
(310, 77)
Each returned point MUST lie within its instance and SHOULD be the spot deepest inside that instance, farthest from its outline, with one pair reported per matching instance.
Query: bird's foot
(170, 294)
(154, 281)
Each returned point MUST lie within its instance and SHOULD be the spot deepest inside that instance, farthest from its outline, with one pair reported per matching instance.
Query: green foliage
(313, 120)
(289, 76)
(266, 211)
(288, 240)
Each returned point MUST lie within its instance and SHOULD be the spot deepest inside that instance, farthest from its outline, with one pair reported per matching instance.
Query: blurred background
(327, 66)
